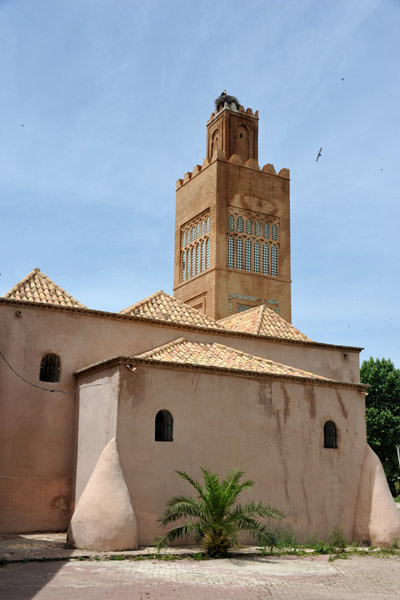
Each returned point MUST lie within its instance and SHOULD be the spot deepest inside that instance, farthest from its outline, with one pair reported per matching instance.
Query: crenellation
(249, 111)
(252, 164)
(188, 176)
(241, 108)
(235, 159)
(284, 173)
(196, 169)
(179, 182)
(269, 168)
(218, 155)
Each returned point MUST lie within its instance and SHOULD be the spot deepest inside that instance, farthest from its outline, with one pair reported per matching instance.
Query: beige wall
(272, 430)
(38, 428)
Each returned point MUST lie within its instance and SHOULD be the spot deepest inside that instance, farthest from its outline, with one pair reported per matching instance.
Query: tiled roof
(37, 287)
(262, 321)
(163, 307)
(215, 355)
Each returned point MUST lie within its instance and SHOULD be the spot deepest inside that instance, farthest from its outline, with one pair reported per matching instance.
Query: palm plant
(214, 517)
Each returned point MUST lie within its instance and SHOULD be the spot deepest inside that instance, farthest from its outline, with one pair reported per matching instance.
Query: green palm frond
(214, 517)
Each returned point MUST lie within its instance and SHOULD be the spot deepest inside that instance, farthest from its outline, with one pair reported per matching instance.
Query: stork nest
(226, 98)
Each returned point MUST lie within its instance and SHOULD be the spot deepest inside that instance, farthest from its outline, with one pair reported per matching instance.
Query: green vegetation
(214, 517)
(383, 415)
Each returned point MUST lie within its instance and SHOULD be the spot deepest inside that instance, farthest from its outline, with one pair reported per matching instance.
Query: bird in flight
(342, 78)
(319, 154)
(22, 124)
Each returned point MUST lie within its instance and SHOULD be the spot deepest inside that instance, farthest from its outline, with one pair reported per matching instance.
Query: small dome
(224, 97)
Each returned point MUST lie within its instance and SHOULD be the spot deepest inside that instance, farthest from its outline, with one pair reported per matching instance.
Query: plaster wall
(272, 430)
(38, 428)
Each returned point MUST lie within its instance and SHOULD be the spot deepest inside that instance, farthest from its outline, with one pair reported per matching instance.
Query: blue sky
(114, 96)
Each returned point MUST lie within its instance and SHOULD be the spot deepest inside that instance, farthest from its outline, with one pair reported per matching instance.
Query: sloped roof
(262, 321)
(37, 287)
(163, 307)
(214, 355)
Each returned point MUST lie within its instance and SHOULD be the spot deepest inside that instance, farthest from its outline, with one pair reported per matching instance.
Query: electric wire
(39, 387)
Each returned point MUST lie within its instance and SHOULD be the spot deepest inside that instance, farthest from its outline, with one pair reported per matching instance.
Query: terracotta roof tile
(216, 355)
(262, 321)
(37, 287)
(163, 307)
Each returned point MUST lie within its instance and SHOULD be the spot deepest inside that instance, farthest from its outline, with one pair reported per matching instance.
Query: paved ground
(241, 578)
(63, 575)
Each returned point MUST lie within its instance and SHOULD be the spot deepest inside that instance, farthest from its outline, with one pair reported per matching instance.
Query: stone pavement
(63, 575)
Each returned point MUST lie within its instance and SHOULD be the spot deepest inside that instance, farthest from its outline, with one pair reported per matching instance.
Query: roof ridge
(60, 295)
(139, 302)
(24, 280)
(260, 318)
(167, 346)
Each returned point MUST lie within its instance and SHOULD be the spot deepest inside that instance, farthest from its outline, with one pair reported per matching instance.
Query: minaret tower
(232, 226)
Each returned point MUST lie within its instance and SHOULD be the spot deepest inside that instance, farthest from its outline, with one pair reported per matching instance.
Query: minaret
(232, 226)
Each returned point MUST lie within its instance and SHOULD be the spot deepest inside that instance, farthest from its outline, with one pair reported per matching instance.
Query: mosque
(99, 409)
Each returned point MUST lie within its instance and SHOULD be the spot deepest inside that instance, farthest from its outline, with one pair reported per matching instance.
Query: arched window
(330, 435)
(203, 227)
(248, 255)
(184, 240)
(203, 255)
(266, 231)
(274, 232)
(183, 265)
(239, 253)
(249, 226)
(198, 230)
(230, 252)
(193, 261)
(231, 223)
(208, 224)
(193, 233)
(208, 253)
(188, 264)
(197, 259)
(164, 426)
(257, 257)
(50, 368)
(265, 259)
(188, 236)
(257, 228)
(240, 225)
(274, 261)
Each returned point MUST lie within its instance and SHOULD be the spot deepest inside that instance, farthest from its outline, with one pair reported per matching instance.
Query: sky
(104, 104)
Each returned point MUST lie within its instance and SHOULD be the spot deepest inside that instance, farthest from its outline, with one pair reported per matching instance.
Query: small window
(248, 255)
(274, 232)
(240, 225)
(266, 231)
(208, 253)
(164, 423)
(330, 435)
(230, 252)
(257, 257)
(257, 228)
(50, 368)
(266, 259)
(249, 227)
(239, 253)
(274, 261)
(184, 240)
(231, 223)
(203, 256)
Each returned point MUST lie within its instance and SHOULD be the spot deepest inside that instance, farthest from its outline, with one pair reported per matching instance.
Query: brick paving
(242, 578)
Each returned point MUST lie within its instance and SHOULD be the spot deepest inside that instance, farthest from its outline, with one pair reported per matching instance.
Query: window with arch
(253, 242)
(330, 435)
(248, 255)
(50, 368)
(274, 261)
(230, 252)
(256, 257)
(164, 426)
(239, 253)
(195, 246)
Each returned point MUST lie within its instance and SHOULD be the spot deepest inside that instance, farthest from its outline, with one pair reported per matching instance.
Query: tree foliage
(383, 414)
(214, 518)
